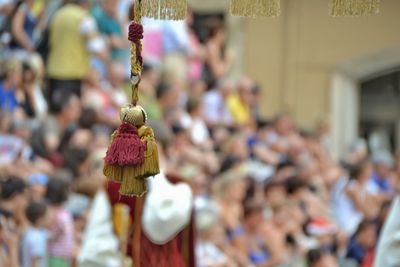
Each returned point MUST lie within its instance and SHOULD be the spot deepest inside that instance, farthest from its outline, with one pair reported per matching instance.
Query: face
(15, 77)
(73, 110)
(368, 236)
(382, 170)
(236, 190)
(283, 125)
(275, 196)
(37, 192)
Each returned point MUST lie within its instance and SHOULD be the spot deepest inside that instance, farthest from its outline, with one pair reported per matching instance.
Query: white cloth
(216, 111)
(100, 246)
(388, 251)
(344, 210)
(34, 245)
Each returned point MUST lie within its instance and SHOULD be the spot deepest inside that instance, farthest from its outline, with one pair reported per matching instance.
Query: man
(73, 37)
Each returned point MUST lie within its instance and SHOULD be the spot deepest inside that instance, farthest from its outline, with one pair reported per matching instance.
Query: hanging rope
(135, 35)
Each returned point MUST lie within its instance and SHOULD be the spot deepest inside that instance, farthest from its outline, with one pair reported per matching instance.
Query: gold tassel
(354, 7)
(164, 9)
(255, 8)
(132, 185)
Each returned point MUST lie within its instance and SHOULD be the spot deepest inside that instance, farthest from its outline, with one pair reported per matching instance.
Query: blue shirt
(8, 98)
(383, 183)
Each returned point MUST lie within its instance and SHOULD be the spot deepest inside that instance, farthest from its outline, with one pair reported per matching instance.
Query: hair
(61, 99)
(12, 186)
(162, 89)
(252, 207)
(294, 184)
(35, 211)
(57, 191)
(88, 118)
(192, 104)
(364, 225)
(271, 185)
(358, 169)
(314, 255)
(73, 158)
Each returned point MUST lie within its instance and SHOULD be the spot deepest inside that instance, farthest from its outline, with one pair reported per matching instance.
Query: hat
(320, 227)
(167, 209)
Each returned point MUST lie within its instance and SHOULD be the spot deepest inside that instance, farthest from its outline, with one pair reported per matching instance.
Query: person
(239, 103)
(29, 95)
(217, 112)
(8, 85)
(176, 46)
(62, 231)
(320, 258)
(264, 248)
(23, 27)
(383, 164)
(356, 199)
(14, 200)
(9, 245)
(48, 139)
(106, 16)
(218, 61)
(35, 238)
(74, 30)
(362, 242)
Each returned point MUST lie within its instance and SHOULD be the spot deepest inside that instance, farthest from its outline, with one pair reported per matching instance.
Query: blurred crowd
(267, 193)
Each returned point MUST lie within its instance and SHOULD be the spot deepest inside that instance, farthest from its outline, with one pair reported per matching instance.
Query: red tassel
(126, 149)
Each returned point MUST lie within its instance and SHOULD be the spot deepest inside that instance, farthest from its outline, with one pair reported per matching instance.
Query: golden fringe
(164, 9)
(255, 8)
(354, 7)
(113, 172)
(132, 185)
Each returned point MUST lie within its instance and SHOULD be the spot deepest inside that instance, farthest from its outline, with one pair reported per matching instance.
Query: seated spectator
(362, 242)
(321, 258)
(10, 80)
(383, 164)
(240, 103)
(49, 137)
(355, 199)
(35, 238)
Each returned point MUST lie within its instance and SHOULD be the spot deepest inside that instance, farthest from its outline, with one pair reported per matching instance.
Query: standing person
(61, 243)
(73, 37)
(218, 62)
(34, 240)
(106, 15)
(23, 25)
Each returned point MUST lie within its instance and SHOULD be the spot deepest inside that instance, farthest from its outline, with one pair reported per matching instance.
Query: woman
(23, 26)
(218, 62)
(29, 95)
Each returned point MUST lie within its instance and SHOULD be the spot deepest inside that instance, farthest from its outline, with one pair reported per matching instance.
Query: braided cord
(136, 36)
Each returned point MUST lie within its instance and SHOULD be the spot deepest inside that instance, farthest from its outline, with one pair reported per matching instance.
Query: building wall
(295, 55)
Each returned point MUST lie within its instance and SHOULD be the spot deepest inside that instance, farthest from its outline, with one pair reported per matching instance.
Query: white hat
(100, 246)
(167, 209)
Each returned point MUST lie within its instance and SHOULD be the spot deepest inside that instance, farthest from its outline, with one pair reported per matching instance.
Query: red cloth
(171, 254)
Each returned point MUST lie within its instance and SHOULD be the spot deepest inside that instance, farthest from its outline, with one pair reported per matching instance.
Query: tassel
(255, 8)
(132, 185)
(113, 172)
(354, 7)
(164, 9)
(126, 149)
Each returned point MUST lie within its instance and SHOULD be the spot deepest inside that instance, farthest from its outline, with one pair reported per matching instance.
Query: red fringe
(135, 34)
(127, 149)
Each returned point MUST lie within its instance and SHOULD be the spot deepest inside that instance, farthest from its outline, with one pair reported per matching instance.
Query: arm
(364, 205)
(18, 30)
(276, 248)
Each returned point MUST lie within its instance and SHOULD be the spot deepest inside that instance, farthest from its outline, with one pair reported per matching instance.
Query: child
(61, 243)
(34, 240)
